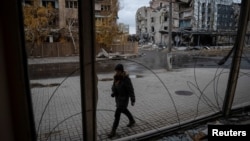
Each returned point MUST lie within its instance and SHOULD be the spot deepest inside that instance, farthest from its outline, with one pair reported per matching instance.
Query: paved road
(153, 59)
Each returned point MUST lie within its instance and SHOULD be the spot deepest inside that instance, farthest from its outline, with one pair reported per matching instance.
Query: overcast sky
(128, 11)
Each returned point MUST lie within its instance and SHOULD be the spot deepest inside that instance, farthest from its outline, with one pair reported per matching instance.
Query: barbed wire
(195, 85)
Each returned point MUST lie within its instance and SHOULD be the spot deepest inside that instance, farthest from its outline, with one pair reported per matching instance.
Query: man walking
(122, 90)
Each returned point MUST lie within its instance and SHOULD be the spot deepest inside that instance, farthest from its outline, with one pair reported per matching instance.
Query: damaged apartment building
(152, 22)
(194, 22)
(68, 10)
(65, 24)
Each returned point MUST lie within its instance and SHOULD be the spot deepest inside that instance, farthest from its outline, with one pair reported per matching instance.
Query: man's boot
(112, 133)
(131, 123)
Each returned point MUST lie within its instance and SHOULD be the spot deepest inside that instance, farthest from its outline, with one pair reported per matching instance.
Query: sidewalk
(71, 59)
(163, 99)
(48, 60)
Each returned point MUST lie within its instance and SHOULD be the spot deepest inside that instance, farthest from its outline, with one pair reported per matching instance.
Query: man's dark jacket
(123, 91)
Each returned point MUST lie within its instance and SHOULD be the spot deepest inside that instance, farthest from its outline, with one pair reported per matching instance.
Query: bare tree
(70, 23)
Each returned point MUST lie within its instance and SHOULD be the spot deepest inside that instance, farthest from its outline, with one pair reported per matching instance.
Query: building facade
(194, 22)
(108, 31)
(68, 10)
(152, 23)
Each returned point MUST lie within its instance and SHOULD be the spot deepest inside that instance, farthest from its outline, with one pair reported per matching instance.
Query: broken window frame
(71, 4)
(45, 3)
(152, 19)
(17, 90)
(17, 87)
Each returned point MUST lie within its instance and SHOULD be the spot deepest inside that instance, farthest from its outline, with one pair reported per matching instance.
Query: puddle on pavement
(111, 79)
(184, 93)
(39, 85)
(106, 79)
(135, 76)
(53, 70)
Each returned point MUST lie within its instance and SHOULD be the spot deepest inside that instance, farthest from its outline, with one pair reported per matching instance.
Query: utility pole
(238, 49)
(212, 15)
(170, 27)
(169, 54)
(198, 23)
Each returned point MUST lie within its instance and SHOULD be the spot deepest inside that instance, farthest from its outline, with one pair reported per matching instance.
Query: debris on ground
(200, 133)
(102, 54)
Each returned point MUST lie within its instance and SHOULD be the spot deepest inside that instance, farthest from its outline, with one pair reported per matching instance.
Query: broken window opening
(46, 3)
(152, 19)
(71, 4)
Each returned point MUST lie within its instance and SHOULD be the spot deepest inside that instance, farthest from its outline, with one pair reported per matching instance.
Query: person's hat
(119, 67)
